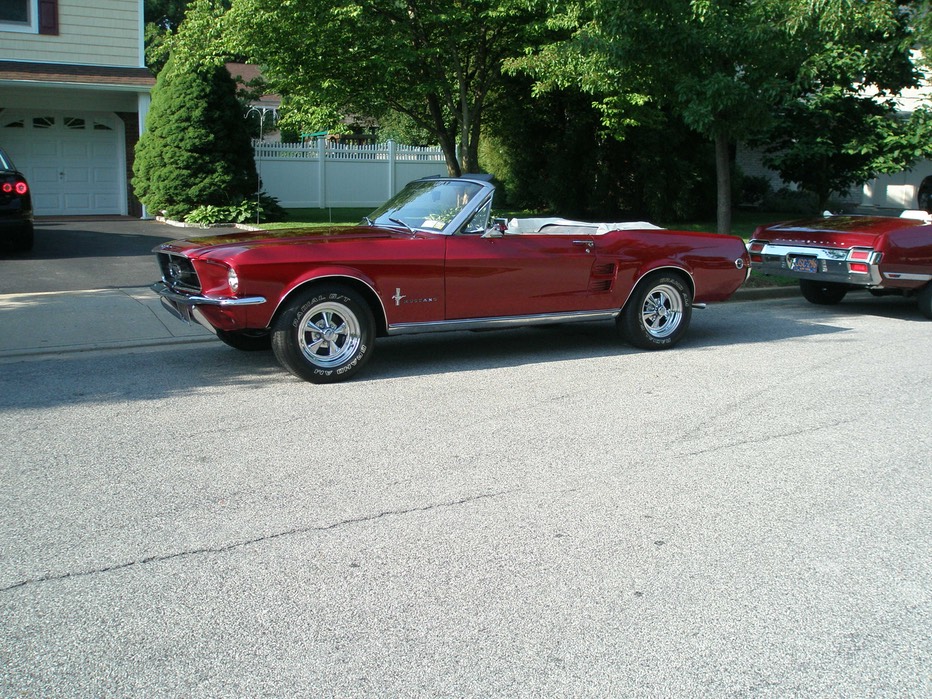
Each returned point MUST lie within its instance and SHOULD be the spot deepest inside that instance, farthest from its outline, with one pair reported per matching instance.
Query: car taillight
(860, 259)
(755, 248)
(20, 187)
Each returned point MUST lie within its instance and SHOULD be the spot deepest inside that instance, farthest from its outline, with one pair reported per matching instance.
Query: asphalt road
(79, 254)
(532, 513)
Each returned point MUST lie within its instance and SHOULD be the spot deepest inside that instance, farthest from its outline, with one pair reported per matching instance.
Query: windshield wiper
(402, 223)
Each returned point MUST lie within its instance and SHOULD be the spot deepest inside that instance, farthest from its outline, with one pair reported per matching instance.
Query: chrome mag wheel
(329, 334)
(662, 311)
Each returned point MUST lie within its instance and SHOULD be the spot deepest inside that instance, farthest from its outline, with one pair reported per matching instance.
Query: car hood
(835, 231)
(233, 243)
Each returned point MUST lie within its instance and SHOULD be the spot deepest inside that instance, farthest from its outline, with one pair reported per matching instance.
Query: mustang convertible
(836, 254)
(432, 259)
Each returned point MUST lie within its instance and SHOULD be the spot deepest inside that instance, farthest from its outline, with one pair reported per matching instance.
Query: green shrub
(196, 150)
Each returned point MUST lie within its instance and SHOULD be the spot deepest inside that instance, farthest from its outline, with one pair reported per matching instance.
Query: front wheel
(658, 313)
(324, 335)
(822, 293)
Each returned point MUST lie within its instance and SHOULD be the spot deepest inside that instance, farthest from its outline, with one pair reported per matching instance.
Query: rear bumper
(830, 265)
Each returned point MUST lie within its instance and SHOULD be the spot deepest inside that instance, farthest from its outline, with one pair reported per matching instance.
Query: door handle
(588, 244)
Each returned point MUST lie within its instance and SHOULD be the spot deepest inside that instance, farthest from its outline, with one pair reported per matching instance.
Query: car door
(517, 274)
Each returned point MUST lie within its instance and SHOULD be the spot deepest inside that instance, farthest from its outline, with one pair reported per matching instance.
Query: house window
(31, 16)
(17, 15)
(17, 12)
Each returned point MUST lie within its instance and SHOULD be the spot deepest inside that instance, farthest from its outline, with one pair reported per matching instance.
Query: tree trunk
(723, 183)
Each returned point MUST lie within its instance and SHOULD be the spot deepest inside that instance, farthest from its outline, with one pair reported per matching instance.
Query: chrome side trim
(500, 323)
(163, 290)
(908, 277)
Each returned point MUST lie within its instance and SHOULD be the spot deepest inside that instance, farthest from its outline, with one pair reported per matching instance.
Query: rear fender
(662, 266)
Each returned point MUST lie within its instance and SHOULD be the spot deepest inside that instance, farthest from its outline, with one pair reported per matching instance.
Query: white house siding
(91, 32)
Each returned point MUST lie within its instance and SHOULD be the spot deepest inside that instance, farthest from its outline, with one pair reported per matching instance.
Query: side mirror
(496, 228)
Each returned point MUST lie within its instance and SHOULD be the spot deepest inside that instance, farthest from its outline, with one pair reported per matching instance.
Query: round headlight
(233, 280)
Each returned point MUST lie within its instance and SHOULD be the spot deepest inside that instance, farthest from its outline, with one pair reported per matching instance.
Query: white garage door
(72, 160)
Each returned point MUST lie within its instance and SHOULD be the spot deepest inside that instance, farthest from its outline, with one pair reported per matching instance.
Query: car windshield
(5, 163)
(427, 205)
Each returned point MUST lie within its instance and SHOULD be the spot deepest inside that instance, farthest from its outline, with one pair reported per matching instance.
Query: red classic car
(430, 260)
(835, 254)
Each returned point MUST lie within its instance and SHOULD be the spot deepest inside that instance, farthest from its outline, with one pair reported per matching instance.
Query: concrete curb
(766, 292)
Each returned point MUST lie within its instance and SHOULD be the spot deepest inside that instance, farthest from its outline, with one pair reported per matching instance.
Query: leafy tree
(437, 62)
(842, 128)
(552, 153)
(831, 142)
(726, 68)
(196, 149)
(162, 21)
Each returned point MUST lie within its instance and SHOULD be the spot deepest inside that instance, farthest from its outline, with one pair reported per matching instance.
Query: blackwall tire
(324, 335)
(924, 298)
(658, 313)
(247, 340)
(822, 293)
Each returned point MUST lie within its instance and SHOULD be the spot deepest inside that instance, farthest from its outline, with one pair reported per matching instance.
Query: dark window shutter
(48, 16)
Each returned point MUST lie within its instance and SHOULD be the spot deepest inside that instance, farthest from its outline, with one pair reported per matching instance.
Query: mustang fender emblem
(398, 296)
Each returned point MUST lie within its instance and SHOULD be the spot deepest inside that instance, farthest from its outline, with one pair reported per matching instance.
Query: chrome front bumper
(184, 306)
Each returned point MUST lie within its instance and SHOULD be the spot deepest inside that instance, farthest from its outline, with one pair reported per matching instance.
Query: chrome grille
(178, 272)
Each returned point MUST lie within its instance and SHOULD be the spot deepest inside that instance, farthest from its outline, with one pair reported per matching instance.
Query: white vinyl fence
(325, 174)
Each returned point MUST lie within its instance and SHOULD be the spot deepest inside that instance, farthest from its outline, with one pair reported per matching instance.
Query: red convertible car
(836, 254)
(432, 259)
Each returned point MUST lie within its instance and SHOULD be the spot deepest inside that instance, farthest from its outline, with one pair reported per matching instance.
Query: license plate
(804, 264)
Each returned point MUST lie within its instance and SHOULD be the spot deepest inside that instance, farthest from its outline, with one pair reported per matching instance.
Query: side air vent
(598, 286)
(603, 270)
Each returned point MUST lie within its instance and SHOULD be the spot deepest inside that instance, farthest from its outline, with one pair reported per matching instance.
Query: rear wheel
(324, 335)
(925, 300)
(822, 293)
(658, 313)
(247, 340)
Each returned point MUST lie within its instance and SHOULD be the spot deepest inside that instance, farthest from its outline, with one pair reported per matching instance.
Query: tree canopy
(729, 69)
(437, 62)
(810, 82)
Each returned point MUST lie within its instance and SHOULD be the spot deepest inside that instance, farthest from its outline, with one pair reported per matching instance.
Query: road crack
(297, 531)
